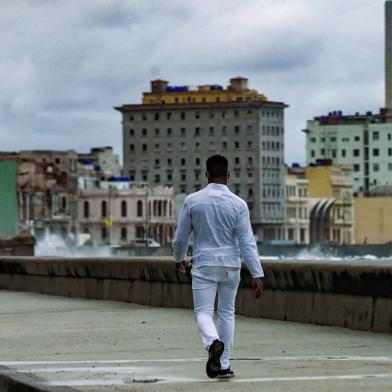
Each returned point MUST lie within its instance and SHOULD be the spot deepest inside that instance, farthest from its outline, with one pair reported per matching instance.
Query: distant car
(147, 243)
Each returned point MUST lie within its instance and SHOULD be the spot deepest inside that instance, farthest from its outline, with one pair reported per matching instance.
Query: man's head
(217, 169)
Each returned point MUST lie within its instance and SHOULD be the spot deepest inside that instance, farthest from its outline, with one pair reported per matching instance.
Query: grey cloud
(65, 64)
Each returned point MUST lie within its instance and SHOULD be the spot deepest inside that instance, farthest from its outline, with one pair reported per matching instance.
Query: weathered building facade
(168, 137)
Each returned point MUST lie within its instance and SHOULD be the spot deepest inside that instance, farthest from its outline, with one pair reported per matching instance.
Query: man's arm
(248, 248)
(184, 228)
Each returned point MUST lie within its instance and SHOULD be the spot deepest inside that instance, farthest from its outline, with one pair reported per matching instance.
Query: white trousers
(206, 283)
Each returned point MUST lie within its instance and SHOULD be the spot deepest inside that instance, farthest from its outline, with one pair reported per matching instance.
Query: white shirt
(221, 230)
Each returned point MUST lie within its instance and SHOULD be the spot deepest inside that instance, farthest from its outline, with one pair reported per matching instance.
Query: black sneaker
(225, 373)
(213, 364)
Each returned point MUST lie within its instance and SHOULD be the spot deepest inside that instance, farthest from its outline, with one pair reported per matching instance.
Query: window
(157, 178)
(389, 136)
(144, 132)
(104, 233)
(157, 162)
(169, 131)
(182, 115)
(224, 114)
(237, 160)
(104, 209)
(376, 152)
(356, 168)
(249, 129)
(236, 114)
(183, 161)
(197, 131)
(376, 167)
(144, 117)
(169, 176)
(183, 177)
(197, 146)
(144, 147)
(224, 130)
(197, 161)
(250, 161)
(212, 115)
(224, 145)
(157, 131)
(322, 151)
(132, 147)
(183, 146)
(123, 208)
(390, 151)
(124, 234)
(356, 152)
(236, 129)
(390, 166)
(156, 116)
(211, 131)
(322, 140)
(237, 145)
(86, 209)
(169, 147)
(357, 138)
(131, 132)
(313, 140)
(131, 118)
(183, 132)
(332, 139)
(376, 135)
(197, 115)
(169, 162)
(312, 153)
(168, 115)
(139, 208)
(343, 153)
(250, 146)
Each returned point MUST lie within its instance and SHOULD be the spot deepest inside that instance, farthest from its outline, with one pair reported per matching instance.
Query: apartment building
(170, 134)
(361, 140)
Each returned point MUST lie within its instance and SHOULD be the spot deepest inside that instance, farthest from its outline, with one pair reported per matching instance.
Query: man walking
(222, 232)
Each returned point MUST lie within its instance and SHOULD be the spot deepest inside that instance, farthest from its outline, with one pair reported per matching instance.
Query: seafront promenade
(92, 324)
(55, 343)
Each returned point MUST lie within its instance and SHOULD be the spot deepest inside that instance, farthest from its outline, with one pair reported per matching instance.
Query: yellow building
(330, 189)
(297, 216)
(236, 91)
(373, 223)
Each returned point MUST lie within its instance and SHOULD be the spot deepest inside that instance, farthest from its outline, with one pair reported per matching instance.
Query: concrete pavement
(90, 345)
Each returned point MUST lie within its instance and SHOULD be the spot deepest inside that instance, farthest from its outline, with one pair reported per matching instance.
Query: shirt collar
(214, 185)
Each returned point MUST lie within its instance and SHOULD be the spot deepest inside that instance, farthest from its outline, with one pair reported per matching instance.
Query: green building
(363, 141)
(8, 200)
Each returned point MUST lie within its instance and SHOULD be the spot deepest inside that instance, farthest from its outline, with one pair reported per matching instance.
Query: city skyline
(65, 66)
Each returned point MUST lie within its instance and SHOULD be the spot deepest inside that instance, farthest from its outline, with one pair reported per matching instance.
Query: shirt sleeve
(247, 243)
(183, 231)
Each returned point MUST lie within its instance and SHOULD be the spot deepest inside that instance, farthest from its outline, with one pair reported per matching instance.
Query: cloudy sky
(64, 64)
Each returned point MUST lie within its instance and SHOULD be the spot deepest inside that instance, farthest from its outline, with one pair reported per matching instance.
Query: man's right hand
(180, 267)
(257, 286)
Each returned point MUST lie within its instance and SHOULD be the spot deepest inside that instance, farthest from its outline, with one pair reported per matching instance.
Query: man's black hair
(217, 166)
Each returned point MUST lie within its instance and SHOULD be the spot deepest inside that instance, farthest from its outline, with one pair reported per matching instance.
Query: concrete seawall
(356, 295)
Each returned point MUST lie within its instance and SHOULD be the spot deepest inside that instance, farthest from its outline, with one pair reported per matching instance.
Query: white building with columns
(119, 212)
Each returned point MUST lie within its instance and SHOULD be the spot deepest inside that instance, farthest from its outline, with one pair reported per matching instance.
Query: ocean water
(55, 245)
